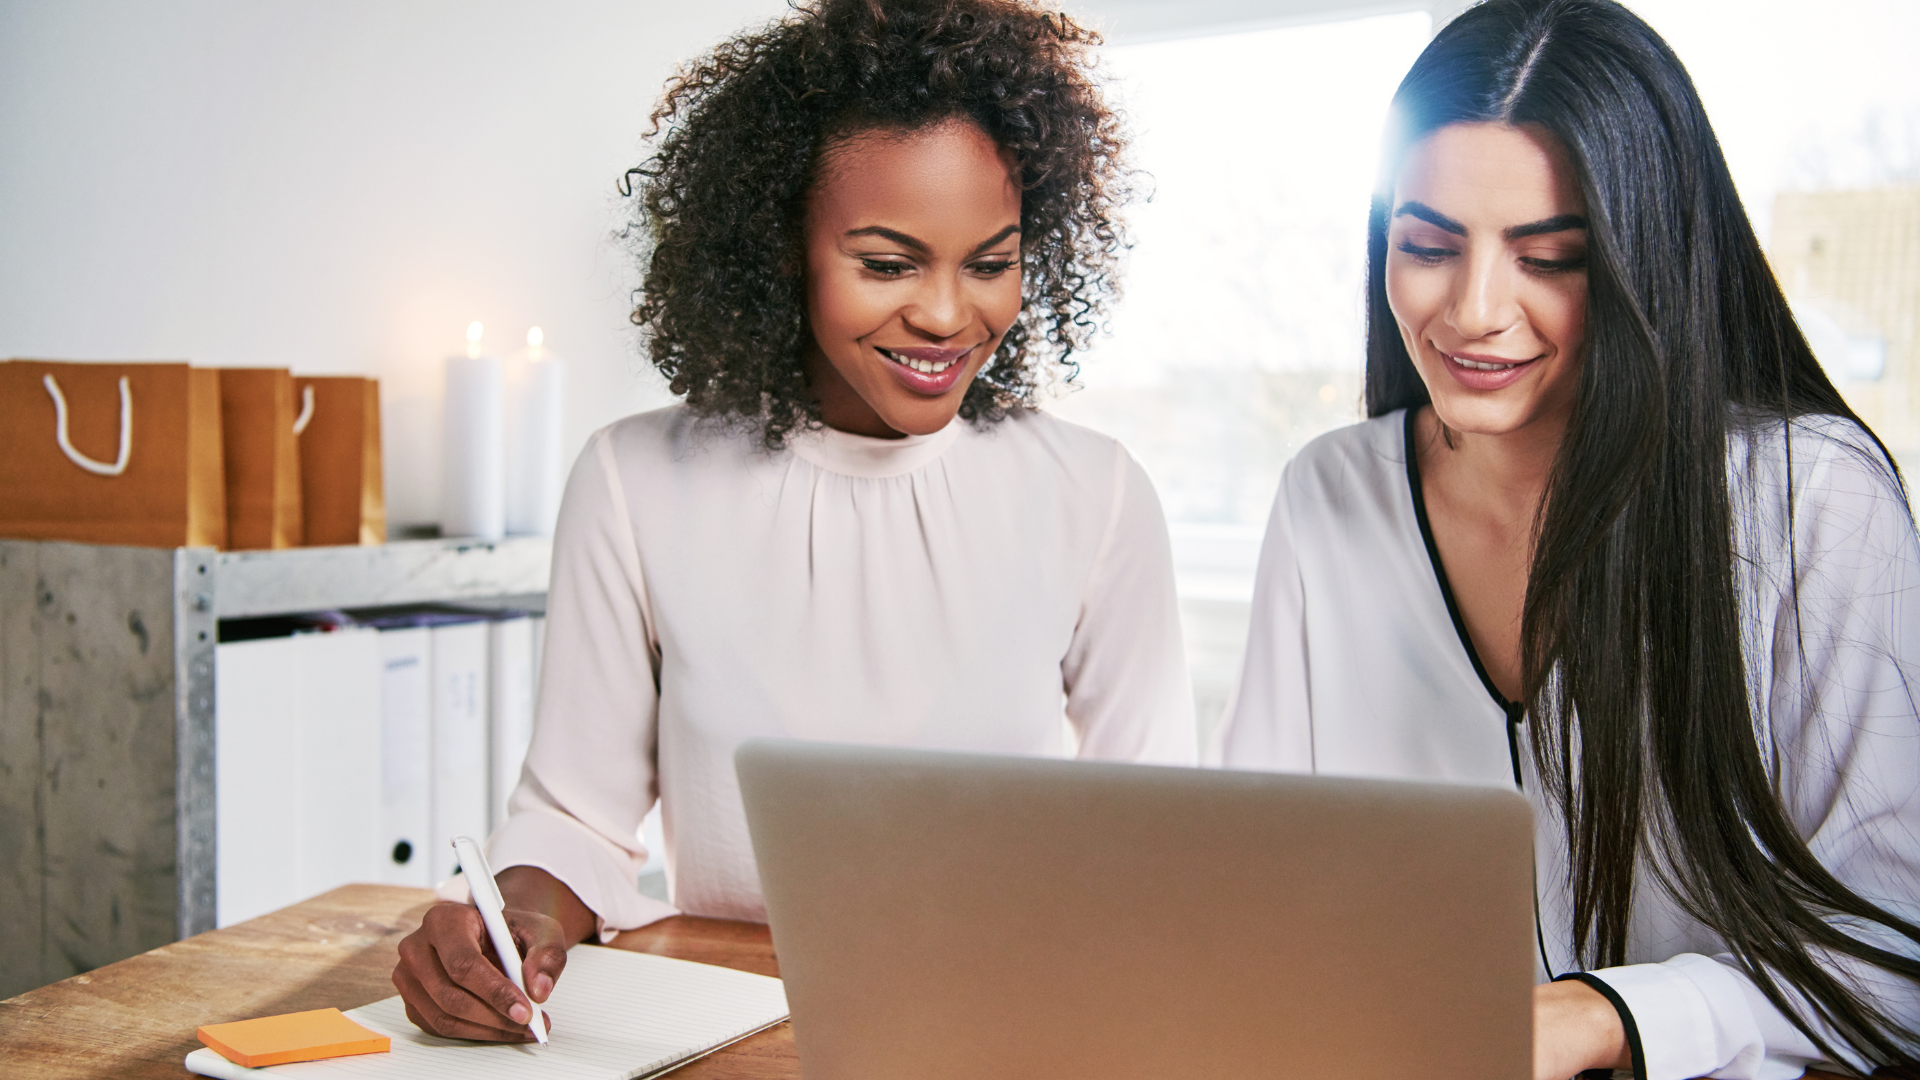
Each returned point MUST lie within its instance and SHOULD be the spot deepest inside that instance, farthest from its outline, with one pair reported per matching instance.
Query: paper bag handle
(99, 468)
(306, 411)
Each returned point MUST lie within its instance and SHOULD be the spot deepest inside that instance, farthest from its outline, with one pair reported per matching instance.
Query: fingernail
(542, 986)
(519, 1014)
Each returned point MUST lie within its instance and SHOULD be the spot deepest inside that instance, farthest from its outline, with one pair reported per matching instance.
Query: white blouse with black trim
(1356, 665)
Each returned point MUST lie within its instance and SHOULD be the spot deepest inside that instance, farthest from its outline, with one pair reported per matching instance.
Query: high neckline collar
(865, 456)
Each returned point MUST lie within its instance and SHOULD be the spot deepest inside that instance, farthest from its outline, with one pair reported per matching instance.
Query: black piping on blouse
(1634, 1052)
(1515, 713)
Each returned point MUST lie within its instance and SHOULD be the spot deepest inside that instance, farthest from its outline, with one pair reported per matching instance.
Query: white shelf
(253, 583)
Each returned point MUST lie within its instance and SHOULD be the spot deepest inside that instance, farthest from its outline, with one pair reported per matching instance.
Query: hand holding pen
(453, 987)
(486, 897)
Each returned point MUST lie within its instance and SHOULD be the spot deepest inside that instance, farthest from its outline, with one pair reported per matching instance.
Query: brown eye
(1555, 266)
(1427, 255)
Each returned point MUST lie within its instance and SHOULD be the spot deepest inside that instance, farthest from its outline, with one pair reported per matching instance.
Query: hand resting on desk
(451, 979)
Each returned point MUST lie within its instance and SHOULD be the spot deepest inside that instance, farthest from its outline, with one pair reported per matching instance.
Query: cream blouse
(1004, 589)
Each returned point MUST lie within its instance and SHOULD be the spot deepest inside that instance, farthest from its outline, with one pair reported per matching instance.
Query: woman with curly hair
(872, 231)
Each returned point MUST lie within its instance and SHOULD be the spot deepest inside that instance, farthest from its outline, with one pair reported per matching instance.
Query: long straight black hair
(1631, 655)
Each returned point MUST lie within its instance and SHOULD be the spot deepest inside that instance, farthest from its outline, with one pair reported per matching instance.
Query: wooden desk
(137, 1018)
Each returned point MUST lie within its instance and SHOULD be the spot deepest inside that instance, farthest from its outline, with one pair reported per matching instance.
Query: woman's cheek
(1008, 314)
(823, 304)
(847, 310)
(1007, 306)
(1575, 321)
(1404, 301)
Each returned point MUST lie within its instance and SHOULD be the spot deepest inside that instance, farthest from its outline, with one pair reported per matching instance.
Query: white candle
(536, 408)
(473, 495)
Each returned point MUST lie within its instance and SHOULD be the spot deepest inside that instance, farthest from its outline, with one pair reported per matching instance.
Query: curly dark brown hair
(720, 216)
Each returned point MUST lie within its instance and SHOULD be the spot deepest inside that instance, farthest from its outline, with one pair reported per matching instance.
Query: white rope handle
(306, 410)
(99, 468)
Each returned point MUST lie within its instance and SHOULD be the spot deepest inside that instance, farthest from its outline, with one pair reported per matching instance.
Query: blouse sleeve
(1839, 721)
(1268, 723)
(1125, 671)
(589, 776)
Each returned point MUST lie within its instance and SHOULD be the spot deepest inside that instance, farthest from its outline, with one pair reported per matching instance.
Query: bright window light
(1239, 338)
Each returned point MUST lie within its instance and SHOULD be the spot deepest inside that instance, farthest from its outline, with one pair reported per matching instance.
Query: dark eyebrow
(1011, 230)
(894, 235)
(1431, 216)
(1554, 224)
(920, 246)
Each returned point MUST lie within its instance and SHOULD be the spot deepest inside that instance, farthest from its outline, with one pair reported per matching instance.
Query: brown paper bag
(263, 458)
(111, 454)
(342, 495)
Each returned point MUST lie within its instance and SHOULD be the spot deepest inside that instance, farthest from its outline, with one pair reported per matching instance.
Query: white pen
(486, 897)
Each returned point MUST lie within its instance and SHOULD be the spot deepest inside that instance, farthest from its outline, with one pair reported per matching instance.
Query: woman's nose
(1484, 301)
(938, 311)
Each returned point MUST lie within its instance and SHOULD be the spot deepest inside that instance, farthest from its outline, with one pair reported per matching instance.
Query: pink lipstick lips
(925, 369)
(1477, 372)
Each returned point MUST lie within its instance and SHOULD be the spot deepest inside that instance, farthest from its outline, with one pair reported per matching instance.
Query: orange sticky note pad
(301, 1036)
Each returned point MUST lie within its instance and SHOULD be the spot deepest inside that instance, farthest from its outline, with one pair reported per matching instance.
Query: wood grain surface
(136, 1019)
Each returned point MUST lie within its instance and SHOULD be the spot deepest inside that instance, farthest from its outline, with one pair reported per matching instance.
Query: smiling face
(1486, 275)
(913, 275)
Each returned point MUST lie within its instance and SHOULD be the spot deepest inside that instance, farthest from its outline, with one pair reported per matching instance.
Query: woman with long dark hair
(1612, 535)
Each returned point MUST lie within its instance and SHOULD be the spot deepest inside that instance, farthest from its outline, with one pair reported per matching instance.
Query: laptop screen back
(952, 915)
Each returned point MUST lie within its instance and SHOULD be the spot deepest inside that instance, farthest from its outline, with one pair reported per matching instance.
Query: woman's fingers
(451, 1009)
(457, 971)
(543, 944)
(427, 1015)
(432, 1020)
(451, 982)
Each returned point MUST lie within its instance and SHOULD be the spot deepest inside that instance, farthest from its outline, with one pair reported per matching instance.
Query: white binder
(297, 785)
(512, 644)
(406, 747)
(459, 739)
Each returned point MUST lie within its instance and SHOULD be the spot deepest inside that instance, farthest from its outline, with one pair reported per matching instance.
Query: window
(1240, 337)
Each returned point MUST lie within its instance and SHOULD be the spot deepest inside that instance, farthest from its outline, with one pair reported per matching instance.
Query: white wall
(337, 187)
(1130, 22)
(341, 187)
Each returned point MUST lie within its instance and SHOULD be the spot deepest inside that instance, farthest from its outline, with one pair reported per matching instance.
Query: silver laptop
(956, 915)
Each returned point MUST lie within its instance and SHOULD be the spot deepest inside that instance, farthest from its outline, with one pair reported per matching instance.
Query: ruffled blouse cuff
(1688, 1016)
(601, 875)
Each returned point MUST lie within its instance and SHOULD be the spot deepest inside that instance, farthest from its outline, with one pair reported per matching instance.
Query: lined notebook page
(617, 1015)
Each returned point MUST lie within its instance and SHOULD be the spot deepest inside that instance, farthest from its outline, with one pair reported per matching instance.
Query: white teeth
(924, 367)
(1475, 365)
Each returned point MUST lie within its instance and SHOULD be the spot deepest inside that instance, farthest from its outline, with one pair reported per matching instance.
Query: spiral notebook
(617, 1015)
